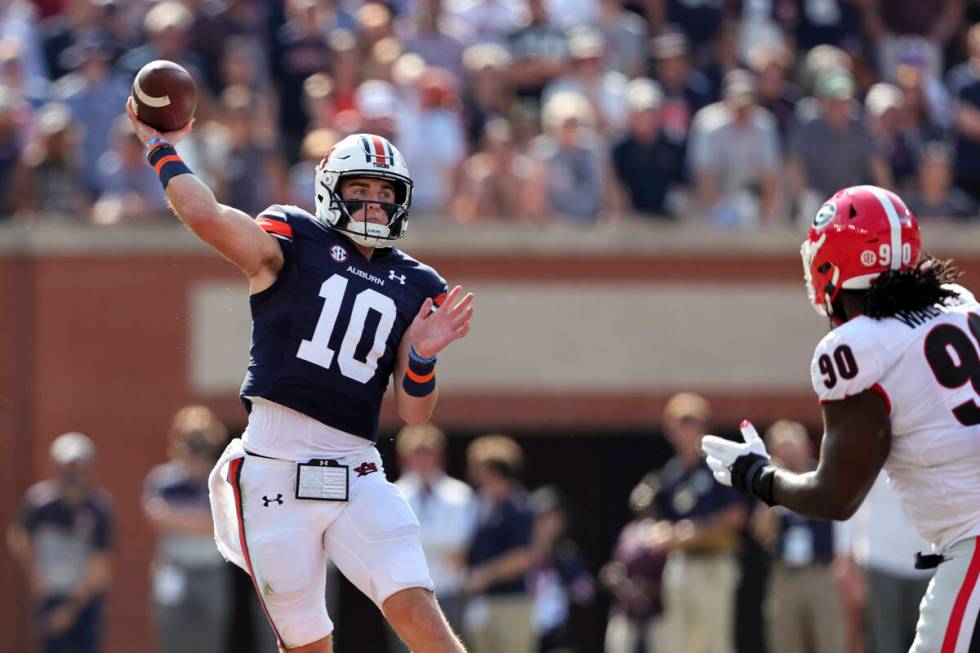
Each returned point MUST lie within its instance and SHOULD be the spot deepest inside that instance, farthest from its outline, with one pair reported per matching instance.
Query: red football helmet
(856, 235)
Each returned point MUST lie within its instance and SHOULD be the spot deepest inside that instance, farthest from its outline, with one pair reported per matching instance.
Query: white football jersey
(926, 365)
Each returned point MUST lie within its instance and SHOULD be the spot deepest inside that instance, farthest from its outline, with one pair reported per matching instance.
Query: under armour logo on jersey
(267, 501)
(400, 278)
(366, 468)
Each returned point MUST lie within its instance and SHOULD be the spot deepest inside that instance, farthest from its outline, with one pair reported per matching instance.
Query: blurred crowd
(728, 112)
(506, 562)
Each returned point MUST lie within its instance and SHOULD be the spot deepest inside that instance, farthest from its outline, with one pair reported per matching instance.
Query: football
(164, 95)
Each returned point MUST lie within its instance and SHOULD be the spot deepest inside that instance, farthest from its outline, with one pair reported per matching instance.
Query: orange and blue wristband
(160, 154)
(420, 377)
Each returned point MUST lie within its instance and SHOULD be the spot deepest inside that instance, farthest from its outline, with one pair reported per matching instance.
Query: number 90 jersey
(325, 335)
(926, 364)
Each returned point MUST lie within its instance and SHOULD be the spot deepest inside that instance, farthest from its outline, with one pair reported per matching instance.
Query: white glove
(721, 454)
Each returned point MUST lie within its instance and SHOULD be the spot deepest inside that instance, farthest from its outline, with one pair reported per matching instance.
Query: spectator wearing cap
(589, 76)
(493, 181)
(539, 53)
(804, 611)
(964, 88)
(61, 539)
(649, 167)
(50, 180)
(830, 145)
(895, 142)
(698, 529)
(446, 509)
(734, 156)
(433, 142)
(94, 94)
(935, 197)
(498, 609)
(634, 577)
(685, 90)
(570, 178)
(559, 577)
(191, 587)
(379, 109)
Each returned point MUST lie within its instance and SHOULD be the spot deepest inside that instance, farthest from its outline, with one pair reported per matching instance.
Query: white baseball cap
(72, 447)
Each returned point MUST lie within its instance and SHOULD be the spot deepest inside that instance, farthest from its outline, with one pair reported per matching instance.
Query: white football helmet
(363, 155)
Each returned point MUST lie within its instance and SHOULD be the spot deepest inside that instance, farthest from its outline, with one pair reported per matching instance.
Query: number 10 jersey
(325, 335)
(926, 364)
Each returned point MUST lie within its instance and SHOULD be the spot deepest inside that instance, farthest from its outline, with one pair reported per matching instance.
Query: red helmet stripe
(894, 224)
(379, 148)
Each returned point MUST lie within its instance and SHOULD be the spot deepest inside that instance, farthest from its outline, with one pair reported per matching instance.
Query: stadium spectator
(93, 92)
(486, 95)
(569, 178)
(626, 38)
(240, 66)
(191, 587)
(964, 89)
(61, 539)
(446, 508)
(698, 528)
(776, 94)
(634, 577)
(588, 76)
(253, 175)
(734, 156)
(51, 180)
(699, 21)
(488, 20)
(649, 167)
(302, 174)
(559, 578)
(498, 609)
(803, 610)
(896, 25)
(300, 50)
(128, 189)
(883, 544)
(33, 90)
(889, 125)
(14, 122)
(538, 50)
(685, 89)
(433, 141)
(494, 181)
(436, 38)
(830, 147)
(18, 21)
(936, 198)
(380, 109)
(167, 28)
(926, 99)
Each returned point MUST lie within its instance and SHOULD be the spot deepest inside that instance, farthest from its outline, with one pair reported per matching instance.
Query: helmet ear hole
(853, 213)
(823, 269)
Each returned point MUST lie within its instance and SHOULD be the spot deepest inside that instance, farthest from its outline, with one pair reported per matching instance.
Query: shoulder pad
(846, 362)
(283, 221)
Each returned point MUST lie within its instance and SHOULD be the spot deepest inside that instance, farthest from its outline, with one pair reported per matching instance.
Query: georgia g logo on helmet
(857, 234)
(364, 156)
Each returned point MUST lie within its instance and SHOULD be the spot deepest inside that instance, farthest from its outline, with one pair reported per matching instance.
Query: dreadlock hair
(897, 291)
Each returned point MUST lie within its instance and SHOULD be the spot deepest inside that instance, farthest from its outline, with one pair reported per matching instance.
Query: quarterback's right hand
(146, 133)
(739, 464)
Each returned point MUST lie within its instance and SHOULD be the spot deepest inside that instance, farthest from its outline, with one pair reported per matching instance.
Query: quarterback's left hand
(432, 330)
(733, 462)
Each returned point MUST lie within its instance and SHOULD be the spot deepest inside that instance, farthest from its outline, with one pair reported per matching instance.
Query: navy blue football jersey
(325, 335)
